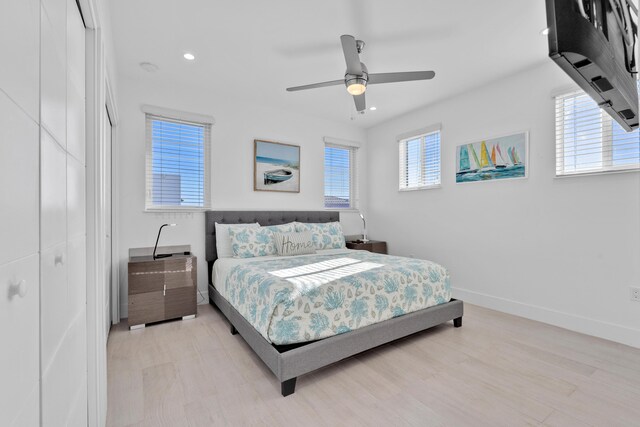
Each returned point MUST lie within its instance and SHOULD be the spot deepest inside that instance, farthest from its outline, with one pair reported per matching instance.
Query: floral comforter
(304, 298)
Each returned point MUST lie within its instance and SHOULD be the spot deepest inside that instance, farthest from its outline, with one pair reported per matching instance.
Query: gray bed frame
(289, 362)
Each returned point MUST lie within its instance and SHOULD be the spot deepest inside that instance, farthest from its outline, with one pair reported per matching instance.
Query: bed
(305, 312)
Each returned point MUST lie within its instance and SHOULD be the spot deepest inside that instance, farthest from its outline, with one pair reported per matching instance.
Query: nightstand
(376, 246)
(161, 289)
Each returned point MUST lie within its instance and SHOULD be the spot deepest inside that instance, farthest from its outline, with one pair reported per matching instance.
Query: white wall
(237, 124)
(562, 251)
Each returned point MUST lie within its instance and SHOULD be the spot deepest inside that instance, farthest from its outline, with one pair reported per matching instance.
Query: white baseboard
(597, 328)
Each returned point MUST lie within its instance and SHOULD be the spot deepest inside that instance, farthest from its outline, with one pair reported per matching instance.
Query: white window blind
(589, 141)
(420, 161)
(340, 189)
(177, 164)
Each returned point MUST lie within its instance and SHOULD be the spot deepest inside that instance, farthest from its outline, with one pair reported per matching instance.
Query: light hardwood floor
(497, 370)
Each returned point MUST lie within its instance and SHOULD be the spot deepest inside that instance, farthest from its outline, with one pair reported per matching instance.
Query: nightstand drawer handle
(164, 290)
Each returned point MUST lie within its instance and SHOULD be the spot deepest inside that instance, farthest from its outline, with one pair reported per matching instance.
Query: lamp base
(162, 256)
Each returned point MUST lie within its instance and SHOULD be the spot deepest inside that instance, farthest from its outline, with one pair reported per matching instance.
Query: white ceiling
(253, 49)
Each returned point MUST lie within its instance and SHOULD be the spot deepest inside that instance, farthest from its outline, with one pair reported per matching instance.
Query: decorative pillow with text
(296, 243)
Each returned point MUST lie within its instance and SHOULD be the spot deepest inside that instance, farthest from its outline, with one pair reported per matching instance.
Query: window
(340, 177)
(588, 140)
(178, 164)
(420, 160)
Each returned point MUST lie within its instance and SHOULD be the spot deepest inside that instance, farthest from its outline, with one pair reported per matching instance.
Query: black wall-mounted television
(594, 42)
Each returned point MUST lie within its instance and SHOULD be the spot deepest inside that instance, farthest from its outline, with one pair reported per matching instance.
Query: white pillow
(288, 244)
(223, 241)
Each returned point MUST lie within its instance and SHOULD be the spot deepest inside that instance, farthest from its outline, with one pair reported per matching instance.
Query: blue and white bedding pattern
(308, 297)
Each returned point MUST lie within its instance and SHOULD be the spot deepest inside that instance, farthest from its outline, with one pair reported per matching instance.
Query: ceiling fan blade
(360, 102)
(400, 77)
(315, 85)
(351, 56)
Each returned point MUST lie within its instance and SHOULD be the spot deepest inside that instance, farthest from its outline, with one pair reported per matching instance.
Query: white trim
(421, 187)
(596, 172)
(341, 142)
(584, 325)
(95, 102)
(180, 115)
(418, 132)
(115, 202)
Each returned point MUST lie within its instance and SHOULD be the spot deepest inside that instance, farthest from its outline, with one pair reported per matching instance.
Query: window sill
(596, 172)
(347, 210)
(174, 210)
(423, 187)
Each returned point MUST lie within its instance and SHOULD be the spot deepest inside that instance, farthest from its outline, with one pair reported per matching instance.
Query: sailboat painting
(497, 158)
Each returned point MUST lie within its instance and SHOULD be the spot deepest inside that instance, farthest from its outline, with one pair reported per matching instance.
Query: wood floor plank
(497, 370)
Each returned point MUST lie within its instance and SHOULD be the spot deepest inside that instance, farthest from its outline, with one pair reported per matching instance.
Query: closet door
(19, 213)
(63, 216)
(19, 279)
(76, 216)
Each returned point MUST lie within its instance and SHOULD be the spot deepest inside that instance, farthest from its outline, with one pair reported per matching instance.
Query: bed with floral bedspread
(309, 297)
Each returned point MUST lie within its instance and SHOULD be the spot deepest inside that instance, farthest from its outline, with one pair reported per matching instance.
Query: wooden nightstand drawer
(178, 302)
(376, 246)
(146, 308)
(143, 282)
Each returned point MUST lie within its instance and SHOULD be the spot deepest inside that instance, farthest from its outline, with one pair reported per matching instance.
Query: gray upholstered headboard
(261, 217)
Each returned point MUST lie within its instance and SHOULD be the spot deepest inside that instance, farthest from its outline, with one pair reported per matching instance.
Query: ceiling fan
(357, 77)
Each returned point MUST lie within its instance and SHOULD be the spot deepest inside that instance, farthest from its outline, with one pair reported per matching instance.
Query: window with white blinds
(340, 189)
(420, 161)
(178, 164)
(589, 141)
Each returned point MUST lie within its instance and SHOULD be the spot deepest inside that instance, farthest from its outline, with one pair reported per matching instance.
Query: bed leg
(288, 387)
(457, 322)
(232, 329)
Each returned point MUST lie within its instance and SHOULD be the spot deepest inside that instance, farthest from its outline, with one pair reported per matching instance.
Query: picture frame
(492, 159)
(276, 166)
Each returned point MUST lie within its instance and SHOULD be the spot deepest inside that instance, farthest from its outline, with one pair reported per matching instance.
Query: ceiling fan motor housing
(352, 79)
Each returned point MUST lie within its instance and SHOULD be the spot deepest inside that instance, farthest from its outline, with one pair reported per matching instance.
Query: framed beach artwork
(504, 157)
(276, 167)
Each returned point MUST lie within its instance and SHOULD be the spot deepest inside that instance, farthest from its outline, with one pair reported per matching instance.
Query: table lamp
(364, 229)
(157, 239)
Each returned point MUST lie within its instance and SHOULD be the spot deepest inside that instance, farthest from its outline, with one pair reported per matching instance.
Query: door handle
(58, 259)
(19, 289)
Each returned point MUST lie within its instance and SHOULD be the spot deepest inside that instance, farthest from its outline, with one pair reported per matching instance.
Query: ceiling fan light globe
(356, 89)
(356, 85)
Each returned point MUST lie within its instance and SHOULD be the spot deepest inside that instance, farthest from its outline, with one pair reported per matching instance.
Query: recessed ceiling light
(149, 67)
(545, 32)
(189, 56)
(372, 108)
